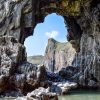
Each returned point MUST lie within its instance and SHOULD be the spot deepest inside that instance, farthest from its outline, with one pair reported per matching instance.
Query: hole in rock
(52, 27)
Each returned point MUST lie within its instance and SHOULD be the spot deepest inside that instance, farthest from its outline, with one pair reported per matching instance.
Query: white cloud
(52, 34)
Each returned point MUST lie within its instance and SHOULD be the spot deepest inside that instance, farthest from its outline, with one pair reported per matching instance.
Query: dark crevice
(94, 3)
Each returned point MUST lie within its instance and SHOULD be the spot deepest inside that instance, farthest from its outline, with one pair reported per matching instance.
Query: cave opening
(54, 26)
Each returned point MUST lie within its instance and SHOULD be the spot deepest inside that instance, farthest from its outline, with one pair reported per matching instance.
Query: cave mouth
(54, 26)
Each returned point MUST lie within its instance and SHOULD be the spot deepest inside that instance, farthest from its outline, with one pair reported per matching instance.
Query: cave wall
(89, 54)
(18, 18)
(13, 17)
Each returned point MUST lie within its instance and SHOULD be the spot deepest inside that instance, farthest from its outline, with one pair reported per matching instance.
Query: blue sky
(53, 27)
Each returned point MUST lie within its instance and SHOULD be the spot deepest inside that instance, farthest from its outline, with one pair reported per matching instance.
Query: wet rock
(68, 72)
(92, 83)
(62, 87)
(55, 89)
(54, 77)
(39, 94)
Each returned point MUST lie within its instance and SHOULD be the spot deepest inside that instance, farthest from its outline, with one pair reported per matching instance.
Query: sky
(52, 27)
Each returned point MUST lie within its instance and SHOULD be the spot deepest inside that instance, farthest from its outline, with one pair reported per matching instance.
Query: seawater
(7, 98)
(74, 95)
(81, 95)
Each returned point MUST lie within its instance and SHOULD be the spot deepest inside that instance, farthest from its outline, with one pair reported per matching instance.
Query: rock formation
(89, 58)
(58, 55)
(12, 53)
(39, 94)
(18, 19)
(15, 72)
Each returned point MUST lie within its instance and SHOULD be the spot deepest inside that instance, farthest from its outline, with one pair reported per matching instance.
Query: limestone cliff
(36, 60)
(58, 55)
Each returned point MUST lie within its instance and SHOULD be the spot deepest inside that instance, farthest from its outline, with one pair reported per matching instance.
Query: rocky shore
(18, 19)
(19, 77)
(53, 90)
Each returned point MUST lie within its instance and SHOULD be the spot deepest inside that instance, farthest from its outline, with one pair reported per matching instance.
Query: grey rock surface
(39, 94)
(58, 55)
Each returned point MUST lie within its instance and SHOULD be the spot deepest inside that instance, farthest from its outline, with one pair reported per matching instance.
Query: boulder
(62, 87)
(68, 72)
(39, 94)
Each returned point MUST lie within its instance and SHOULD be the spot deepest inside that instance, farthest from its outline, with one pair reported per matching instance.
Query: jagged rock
(27, 78)
(68, 72)
(31, 77)
(39, 94)
(11, 54)
(54, 77)
(11, 19)
(62, 87)
(51, 92)
(89, 56)
(15, 72)
(58, 55)
(41, 73)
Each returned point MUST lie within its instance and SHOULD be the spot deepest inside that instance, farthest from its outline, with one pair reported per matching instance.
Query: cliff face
(58, 55)
(36, 60)
(89, 54)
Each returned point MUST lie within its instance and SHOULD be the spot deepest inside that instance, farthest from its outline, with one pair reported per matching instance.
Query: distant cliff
(36, 60)
(58, 55)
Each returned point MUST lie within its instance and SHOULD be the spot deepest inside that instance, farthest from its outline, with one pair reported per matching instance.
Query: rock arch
(18, 18)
